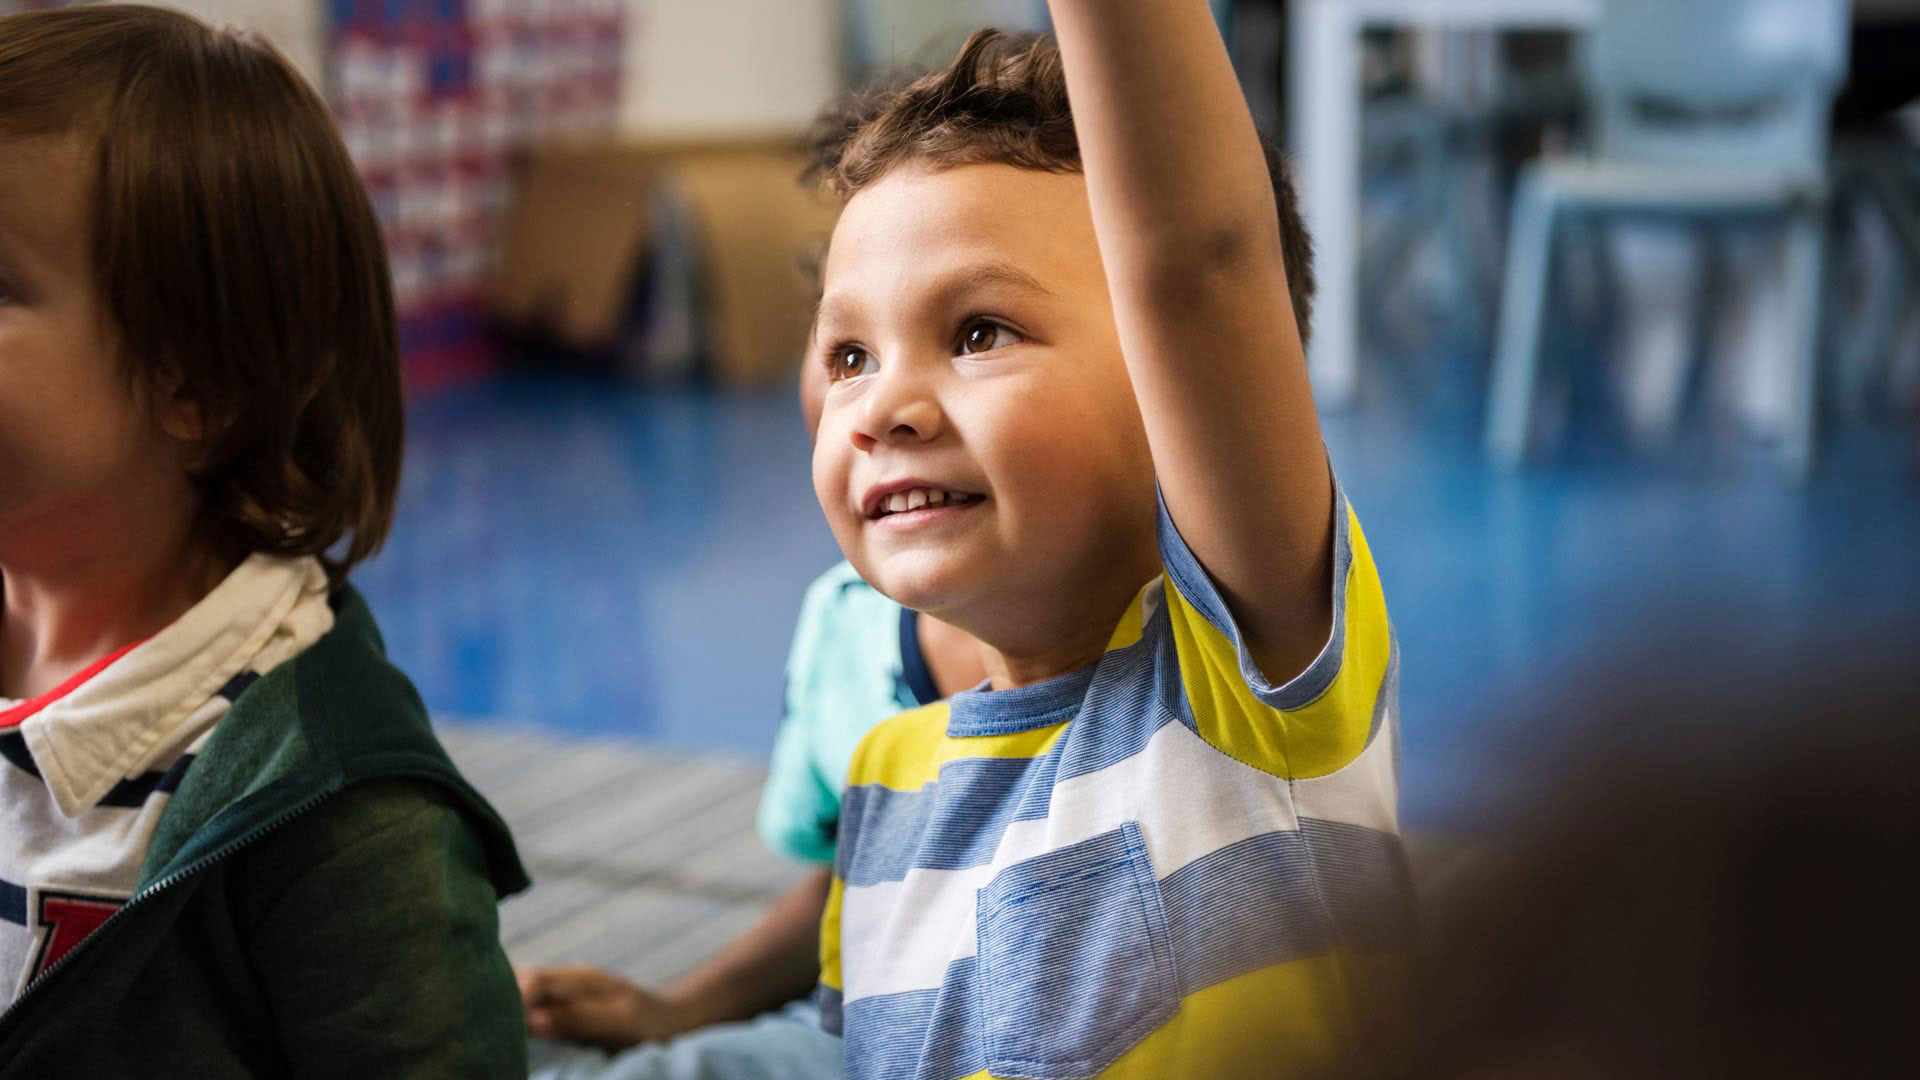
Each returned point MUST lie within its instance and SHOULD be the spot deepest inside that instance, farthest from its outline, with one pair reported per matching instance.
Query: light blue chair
(1705, 109)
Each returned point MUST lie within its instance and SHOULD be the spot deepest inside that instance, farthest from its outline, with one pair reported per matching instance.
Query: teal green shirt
(855, 661)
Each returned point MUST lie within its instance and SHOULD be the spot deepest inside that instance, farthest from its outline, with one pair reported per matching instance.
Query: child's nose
(899, 410)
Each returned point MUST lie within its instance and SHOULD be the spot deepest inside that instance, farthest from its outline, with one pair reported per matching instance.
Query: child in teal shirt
(857, 658)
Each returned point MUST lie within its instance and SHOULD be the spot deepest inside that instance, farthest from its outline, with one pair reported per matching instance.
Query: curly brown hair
(241, 263)
(1002, 101)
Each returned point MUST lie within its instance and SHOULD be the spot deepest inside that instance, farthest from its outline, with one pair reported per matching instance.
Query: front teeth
(914, 499)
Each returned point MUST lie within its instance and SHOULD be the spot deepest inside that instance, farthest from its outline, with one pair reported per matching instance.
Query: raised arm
(1189, 236)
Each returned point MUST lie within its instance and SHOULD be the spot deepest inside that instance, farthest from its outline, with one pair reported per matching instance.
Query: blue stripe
(1261, 888)
(238, 685)
(135, 792)
(1267, 900)
(919, 1034)
(13, 747)
(1075, 965)
(1138, 693)
(13, 903)
(832, 1005)
(1023, 708)
(1366, 883)
(953, 823)
(1287, 895)
(124, 795)
(959, 820)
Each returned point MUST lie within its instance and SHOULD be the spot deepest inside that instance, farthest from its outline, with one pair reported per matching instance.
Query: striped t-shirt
(87, 770)
(1160, 865)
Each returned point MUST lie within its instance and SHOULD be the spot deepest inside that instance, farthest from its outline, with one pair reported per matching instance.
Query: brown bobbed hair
(1002, 101)
(239, 260)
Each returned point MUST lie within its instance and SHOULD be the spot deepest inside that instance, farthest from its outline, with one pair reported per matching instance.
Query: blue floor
(605, 561)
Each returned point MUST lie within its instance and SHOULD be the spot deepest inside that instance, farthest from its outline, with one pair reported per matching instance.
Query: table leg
(1323, 101)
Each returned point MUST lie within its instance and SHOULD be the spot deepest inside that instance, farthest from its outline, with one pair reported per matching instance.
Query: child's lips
(925, 516)
(909, 496)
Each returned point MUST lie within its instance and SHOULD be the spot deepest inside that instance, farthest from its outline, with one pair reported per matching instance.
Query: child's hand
(588, 1005)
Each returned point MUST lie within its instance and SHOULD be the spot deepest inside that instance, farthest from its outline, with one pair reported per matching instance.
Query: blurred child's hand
(588, 1005)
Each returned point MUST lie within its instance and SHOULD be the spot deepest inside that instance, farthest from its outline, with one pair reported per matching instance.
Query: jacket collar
(117, 723)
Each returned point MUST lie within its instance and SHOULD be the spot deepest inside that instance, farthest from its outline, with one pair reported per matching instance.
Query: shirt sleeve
(799, 811)
(1320, 720)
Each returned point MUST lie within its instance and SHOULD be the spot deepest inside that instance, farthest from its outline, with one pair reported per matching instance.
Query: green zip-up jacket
(318, 901)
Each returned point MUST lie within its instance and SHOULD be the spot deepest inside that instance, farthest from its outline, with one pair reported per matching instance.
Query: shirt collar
(115, 724)
(986, 711)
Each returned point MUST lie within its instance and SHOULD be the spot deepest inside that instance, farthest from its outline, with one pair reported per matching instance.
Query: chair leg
(1806, 252)
(1516, 358)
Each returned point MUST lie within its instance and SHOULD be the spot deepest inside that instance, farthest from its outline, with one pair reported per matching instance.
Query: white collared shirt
(85, 778)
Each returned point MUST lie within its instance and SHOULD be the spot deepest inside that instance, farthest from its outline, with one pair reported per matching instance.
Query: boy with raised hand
(1069, 414)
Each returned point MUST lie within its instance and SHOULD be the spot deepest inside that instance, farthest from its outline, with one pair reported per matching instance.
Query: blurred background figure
(1708, 879)
(1608, 338)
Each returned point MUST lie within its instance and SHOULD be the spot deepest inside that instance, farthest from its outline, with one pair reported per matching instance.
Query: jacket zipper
(197, 866)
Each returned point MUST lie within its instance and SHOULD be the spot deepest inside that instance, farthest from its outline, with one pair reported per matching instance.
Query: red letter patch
(68, 918)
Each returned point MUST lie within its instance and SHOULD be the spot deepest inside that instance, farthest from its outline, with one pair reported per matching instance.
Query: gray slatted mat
(644, 861)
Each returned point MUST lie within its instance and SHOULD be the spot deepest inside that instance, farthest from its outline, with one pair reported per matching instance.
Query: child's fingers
(533, 984)
(540, 1022)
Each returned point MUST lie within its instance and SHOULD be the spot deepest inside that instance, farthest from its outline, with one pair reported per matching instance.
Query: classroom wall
(728, 67)
(753, 67)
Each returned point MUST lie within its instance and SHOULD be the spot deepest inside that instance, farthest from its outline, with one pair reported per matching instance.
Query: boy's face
(73, 429)
(970, 348)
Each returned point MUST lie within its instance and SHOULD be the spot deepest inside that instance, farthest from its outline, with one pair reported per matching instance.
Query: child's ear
(179, 416)
(180, 419)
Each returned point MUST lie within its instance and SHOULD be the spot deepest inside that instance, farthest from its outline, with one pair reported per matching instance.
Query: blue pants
(783, 1045)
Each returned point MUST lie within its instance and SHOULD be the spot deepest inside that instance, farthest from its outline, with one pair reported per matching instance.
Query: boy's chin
(922, 581)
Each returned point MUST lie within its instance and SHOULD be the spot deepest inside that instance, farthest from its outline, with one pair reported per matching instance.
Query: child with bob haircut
(229, 842)
(1069, 415)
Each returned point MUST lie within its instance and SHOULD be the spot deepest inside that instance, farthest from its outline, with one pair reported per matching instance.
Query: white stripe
(1366, 791)
(1189, 799)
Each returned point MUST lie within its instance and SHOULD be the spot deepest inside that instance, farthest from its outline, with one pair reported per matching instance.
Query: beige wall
(728, 67)
(757, 67)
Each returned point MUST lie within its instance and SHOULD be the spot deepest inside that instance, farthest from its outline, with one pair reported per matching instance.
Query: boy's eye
(849, 361)
(982, 335)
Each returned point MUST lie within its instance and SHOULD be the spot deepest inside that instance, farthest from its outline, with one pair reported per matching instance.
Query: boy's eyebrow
(970, 278)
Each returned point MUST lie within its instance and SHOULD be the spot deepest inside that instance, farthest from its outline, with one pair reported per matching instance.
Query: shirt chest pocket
(1075, 964)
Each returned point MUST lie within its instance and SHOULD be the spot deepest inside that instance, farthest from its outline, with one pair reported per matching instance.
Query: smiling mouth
(904, 502)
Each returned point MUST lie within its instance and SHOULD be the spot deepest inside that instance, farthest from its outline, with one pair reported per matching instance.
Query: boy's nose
(902, 412)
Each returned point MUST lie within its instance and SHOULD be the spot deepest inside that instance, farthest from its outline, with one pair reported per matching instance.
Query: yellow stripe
(1291, 1019)
(1287, 1020)
(830, 936)
(906, 752)
(1316, 739)
(1132, 624)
